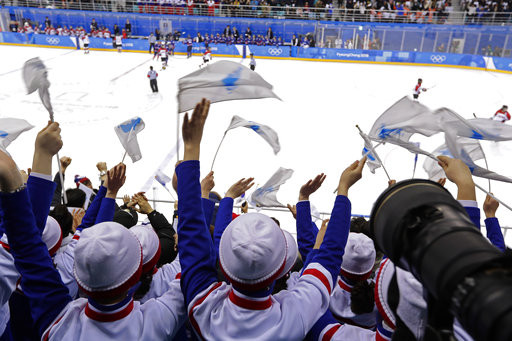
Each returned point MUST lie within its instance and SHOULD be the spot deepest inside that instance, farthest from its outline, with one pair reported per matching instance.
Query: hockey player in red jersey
(502, 115)
(207, 56)
(418, 89)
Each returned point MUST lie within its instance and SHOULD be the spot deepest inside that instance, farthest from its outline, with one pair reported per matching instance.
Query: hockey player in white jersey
(119, 43)
(164, 56)
(86, 42)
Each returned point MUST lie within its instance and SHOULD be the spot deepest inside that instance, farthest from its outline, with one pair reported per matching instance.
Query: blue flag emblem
(255, 127)
(385, 133)
(370, 156)
(231, 80)
(476, 135)
(126, 128)
(3, 134)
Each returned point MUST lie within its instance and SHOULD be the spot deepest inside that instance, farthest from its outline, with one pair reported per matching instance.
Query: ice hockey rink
(321, 104)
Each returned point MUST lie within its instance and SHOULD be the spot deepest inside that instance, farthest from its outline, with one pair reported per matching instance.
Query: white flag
(402, 120)
(471, 147)
(221, 81)
(373, 160)
(127, 133)
(267, 133)
(10, 129)
(35, 76)
(162, 178)
(475, 128)
(469, 156)
(265, 196)
(88, 194)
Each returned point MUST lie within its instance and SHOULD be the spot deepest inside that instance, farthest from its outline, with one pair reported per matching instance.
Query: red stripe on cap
(76, 236)
(378, 302)
(130, 282)
(330, 333)
(249, 304)
(193, 321)
(356, 278)
(318, 274)
(56, 247)
(103, 317)
(149, 266)
(255, 286)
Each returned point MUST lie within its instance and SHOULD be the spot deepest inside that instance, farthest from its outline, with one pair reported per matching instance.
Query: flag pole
(61, 176)
(365, 154)
(485, 157)
(492, 196)
(376, 156)
(128, 139)
(218, 148)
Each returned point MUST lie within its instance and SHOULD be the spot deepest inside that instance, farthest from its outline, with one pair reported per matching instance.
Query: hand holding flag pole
(35, 76)
(481, 188)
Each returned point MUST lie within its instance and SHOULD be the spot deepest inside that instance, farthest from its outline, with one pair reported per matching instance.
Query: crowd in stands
(89, 270)
(95, 30)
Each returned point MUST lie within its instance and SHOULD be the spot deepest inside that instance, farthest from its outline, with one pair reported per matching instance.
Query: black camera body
(424, 230)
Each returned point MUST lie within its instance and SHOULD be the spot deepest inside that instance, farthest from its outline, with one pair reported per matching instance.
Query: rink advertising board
(278, 52)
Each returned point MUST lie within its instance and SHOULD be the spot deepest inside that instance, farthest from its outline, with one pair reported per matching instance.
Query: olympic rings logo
(437, 58)
(273, 51)
(53, 41)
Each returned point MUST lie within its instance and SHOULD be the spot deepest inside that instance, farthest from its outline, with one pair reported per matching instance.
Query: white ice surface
(322, 103)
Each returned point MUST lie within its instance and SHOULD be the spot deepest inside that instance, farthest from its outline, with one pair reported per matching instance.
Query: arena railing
(467, 17)
(168, 207)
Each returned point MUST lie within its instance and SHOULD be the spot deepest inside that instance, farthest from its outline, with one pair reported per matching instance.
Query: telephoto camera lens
(423, 229)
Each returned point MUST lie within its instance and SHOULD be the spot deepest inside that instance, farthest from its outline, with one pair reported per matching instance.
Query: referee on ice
(152, 75)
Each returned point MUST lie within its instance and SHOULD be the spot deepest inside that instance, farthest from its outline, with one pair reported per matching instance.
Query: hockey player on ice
(86, 42)
(163, 56)
(502, 115)
(207, 56)
(418, 89)
(119, 43)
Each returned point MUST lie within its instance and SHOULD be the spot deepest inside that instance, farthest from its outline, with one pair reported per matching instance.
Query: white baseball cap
(412, 307)
(252, 251)
(359, 256)
(52, 235)
(292, 253)
(150, 246)
(108, 260)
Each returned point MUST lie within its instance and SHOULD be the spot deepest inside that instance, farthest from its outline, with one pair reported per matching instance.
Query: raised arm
(225, 212)
(492, 224)
(306, 229)
(115, 180)
(207, 185)
(57, 194)
(196, 251)
(331, 251)
(40, 280)
(40, 185)
(458, 172)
